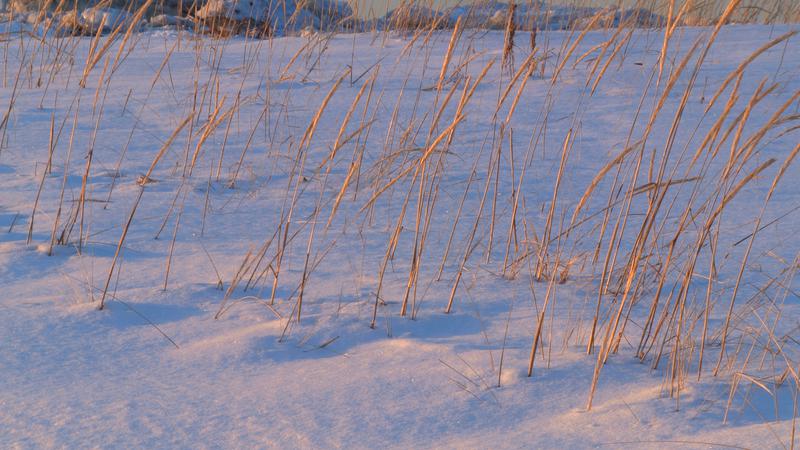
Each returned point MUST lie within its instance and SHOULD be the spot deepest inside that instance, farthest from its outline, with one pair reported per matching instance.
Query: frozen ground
(156, 369)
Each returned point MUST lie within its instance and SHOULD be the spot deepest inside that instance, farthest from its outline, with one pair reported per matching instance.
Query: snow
(284, 17)
(552, 16)
(290, 17)
(330, 10)
(109, 18)
(156, 369)
(234, 9)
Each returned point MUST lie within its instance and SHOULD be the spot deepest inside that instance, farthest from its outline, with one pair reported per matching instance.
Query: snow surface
(72, 376)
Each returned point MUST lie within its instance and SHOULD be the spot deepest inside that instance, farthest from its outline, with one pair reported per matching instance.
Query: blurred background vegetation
(705, 8)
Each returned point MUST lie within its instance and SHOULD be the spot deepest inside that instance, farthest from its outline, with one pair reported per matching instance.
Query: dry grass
(649, 222)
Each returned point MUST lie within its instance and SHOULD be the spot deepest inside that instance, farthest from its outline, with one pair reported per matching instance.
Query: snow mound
(410, 16)
(282, 17)
(166, 20)
(528, 15)
(299, 21)
(96, 17)
(327, 10)
(255, 10)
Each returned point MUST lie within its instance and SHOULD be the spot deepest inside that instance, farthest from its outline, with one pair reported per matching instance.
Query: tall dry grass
(643, 228)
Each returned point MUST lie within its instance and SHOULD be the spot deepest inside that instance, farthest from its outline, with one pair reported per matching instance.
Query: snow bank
(166, 20)
(327, 10)
(292, 16)
(412, 16)
(107, 18)
(539, 15)
(255, 10)
(529, 15)
(282, 17)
